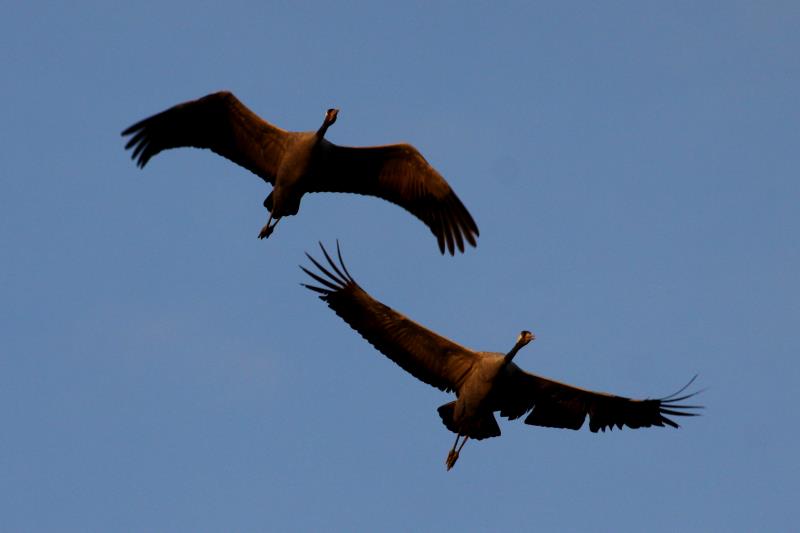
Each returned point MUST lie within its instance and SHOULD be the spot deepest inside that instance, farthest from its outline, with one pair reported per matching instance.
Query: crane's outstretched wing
(427, 356)
(219, 122)
(398, 173)
(558, 405)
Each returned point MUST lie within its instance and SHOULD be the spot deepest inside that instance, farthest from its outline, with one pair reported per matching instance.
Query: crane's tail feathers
(446, 412)
(478, 428)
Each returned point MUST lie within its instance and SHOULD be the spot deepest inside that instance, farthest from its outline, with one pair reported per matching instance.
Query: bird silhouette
(296, 163)
(484, 382)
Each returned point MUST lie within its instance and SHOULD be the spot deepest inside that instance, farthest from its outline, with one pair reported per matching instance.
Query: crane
(484, 382)
(296, 163)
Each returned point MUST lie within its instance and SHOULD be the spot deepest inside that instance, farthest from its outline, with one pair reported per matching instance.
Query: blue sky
(633, 168)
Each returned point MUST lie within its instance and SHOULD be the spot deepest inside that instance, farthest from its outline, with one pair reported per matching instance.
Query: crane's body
(296, 163)
(485, 383)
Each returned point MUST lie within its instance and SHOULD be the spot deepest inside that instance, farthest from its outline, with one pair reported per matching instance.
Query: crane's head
(330, 116)
(524, 338)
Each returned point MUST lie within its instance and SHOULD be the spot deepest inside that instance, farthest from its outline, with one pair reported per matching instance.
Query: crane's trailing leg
(452, 455)
(267, 230)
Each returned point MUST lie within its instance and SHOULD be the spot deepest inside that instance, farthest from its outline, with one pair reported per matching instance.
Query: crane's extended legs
(452, 455)
(267, 230)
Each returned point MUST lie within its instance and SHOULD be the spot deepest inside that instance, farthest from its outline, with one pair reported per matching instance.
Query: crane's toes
(266, 231)
(452, 457)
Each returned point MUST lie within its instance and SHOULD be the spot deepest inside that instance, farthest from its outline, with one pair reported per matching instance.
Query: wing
(219, 122)
(427, 356)
(554, 404)
(398, 173)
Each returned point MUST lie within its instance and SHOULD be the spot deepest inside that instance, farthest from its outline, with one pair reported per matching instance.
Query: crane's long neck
(510, 355)
(322, 129)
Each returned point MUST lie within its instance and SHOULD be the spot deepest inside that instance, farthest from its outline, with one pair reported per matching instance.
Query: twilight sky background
(634, 171)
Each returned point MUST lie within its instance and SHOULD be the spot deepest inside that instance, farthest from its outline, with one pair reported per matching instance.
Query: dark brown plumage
(484, 382)
(295, 163)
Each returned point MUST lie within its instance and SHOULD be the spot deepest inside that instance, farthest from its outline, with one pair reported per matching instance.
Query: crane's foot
(268, 228)
(452, 457)
(266, 231)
